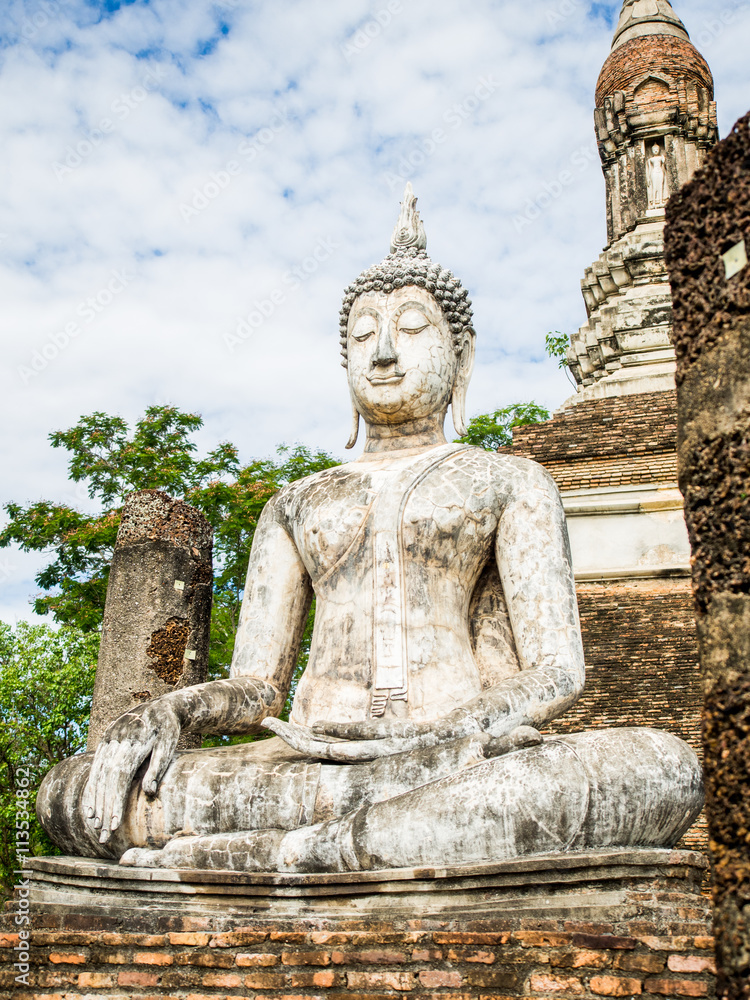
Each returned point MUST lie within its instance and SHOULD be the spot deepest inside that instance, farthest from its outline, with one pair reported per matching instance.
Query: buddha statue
(446, 636)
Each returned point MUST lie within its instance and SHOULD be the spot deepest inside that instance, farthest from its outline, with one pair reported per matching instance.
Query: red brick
(9, 940)
(228, 979)
(546, 983)
(58, 959)
(306, 957)
(192, 940)
(95, 980)
(703, 942)
(265, 980)
(402, 981)
(655, 943)
(640, 963)
(137, 979)
(259, 960)
(425, 955)
(677, 987)
(305, 979)
(691, 963)
(613, 986)
(580, 959)
(212, 960)
(600, 941)
(152, 958)
(471, 937)
(364, 958)
(436, 978)
(464, 955)
(133, 940)
(541, 939)
(242, 936)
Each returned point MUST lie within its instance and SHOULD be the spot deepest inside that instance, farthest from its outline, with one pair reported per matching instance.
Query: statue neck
(423, 433)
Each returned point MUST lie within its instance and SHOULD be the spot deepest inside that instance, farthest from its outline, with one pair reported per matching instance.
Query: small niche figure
(656, 176)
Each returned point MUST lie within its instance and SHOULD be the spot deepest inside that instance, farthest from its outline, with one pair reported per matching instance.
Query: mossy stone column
(707, 242)
(157, 616)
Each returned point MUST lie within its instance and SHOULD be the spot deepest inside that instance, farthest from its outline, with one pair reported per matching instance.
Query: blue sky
(188, 186)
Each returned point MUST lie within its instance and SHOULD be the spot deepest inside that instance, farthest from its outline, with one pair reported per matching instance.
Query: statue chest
(439, 522)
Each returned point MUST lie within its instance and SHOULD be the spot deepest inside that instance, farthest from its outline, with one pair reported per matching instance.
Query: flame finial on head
(409, 231)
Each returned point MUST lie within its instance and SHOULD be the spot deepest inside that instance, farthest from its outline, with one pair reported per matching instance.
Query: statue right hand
(154, 729)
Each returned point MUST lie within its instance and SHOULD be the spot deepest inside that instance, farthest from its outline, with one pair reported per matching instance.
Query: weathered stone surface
(446, 633)
(158, 610)
(655, 122)
(712, 343)
(599, 886)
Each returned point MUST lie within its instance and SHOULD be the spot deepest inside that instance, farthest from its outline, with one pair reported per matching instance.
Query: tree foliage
(495, 430)
(158, 453)
(46, 683)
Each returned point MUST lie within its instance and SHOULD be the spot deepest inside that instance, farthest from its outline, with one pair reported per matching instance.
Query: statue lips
(386, 379)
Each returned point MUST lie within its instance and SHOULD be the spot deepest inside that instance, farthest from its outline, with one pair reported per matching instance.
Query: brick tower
(612, 447)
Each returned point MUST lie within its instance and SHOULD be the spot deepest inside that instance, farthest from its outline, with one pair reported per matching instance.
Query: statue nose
(385, 351)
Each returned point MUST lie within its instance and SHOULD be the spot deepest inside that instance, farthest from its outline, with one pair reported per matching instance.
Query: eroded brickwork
(620, 441)
(712, 344)
(469, 960)
(664, 54)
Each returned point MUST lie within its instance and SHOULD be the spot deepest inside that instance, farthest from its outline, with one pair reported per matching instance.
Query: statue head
(407, 335)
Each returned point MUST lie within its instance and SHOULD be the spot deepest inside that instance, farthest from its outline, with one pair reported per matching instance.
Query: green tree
(158, 453)
(556, 346)
(495, 430)
(46, 683)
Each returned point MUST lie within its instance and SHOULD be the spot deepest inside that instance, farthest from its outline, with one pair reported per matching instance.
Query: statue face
(401, 361)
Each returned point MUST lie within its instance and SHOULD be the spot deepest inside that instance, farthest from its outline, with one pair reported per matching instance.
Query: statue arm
(277, 598)
(535, 566)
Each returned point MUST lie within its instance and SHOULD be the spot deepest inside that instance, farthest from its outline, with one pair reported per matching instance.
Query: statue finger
(110, 752)
(161, 758)
(363, 750)
(117, 785)
(298, 737)
(352, 730)
(88, 802)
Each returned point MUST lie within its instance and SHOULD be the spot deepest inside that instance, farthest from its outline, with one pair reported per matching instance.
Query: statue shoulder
(510, 473)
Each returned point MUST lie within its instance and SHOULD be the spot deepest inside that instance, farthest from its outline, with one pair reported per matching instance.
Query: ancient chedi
(612, 447)
(446, 634)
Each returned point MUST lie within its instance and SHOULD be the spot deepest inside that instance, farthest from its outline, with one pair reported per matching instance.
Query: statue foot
(253, 851)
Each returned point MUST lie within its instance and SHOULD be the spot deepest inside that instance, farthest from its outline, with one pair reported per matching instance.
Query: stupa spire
(647, 17)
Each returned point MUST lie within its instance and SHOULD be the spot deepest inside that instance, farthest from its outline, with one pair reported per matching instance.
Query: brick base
(306, 960)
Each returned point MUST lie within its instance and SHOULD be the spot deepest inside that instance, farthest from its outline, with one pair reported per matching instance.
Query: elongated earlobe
(458, 397)
(458, 407)
(355, 427)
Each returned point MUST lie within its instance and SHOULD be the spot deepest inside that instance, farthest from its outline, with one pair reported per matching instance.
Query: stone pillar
(157, 617)
(707, 240)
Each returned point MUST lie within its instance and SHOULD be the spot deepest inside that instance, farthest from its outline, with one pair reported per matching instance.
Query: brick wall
(616, 441)
(664, 54)
(426, 959)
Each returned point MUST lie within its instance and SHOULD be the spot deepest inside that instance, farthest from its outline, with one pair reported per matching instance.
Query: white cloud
(143, 123)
